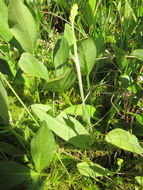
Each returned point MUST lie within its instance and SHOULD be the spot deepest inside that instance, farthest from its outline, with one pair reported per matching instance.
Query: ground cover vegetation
(71, 102)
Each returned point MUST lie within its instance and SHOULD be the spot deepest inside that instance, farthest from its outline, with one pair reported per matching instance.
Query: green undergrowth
(71, 104)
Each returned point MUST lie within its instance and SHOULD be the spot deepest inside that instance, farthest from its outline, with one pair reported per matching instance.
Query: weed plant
(71, 78)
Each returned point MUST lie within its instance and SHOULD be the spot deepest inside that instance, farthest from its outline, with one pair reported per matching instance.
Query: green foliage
(60, 55)
(9, 149)
(66, 127)
(73, 68)
(139, 180)
(61, 83)
(37, 184)
(123, 139)
(13, 174)
(22, 25)
(3, 103)
(31, 66)
(42, 147)
(77, 110)
(87, 55)
(4, 28)
(92, 170)
(138, 53)
(89, 12)
(68, 34)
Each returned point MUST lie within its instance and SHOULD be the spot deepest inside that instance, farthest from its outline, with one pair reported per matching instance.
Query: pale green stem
(85, 116)
(78, 66)
(88, 81)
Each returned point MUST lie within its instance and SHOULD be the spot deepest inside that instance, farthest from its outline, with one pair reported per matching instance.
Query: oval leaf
(4, 28)
(123, 139)
(67, 128)
(92, 170)
(30, 65)
(87, 54)
(23, 25)
(43, 147)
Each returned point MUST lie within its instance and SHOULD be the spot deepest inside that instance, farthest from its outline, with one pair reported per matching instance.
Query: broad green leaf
(78, 110)
(139, 180)
(68, 34)
(30, 65)
(125, 140)
(87, 55)
(3, 103)
(60, 55)
(92, 170)
(67, 128)
(62, 83)
(138, 53)
(73, 131)
(4, 28)
(43, 147)
(23, 25)
(41, 107)
(9, 149)
(13, 174)
(37, 184)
